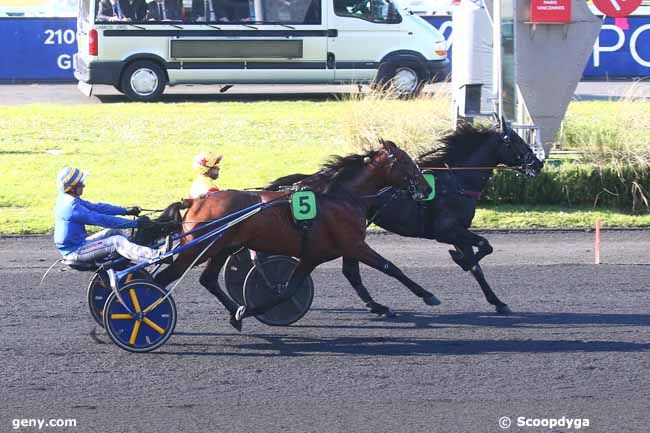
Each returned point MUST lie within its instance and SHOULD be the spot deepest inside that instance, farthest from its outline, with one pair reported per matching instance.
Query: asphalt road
(577, 346)
(17, 94)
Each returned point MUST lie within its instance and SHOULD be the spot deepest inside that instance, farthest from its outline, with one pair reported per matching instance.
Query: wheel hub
(405, 80)
(144, 82)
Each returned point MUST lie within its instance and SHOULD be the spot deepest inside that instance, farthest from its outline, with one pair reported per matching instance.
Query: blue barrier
(42, 49)
(37, 49)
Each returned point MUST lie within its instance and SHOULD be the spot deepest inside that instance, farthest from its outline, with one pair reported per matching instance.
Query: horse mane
(332, 174)
(339, 169)
(456, 145)
(285, 181)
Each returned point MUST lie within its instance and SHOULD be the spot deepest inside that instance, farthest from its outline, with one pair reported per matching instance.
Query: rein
(496, 167)
(282, 197)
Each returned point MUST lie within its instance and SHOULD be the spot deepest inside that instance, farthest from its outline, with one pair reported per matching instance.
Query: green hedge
(574, 185)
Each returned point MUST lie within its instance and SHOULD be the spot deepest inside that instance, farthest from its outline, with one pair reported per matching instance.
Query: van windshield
(377, 11)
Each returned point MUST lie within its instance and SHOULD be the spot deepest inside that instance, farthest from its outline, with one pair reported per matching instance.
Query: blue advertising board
(37, 49)
(42, 49)
(622, 49)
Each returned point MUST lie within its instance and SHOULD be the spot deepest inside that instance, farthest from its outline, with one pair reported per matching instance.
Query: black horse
(168, 222)
(460, 177)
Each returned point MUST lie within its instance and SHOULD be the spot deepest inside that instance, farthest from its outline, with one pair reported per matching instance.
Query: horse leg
(477, 272)
(464, 241)
(298, 276)
(174, 271)
(210, 280)
(370, 257)
(351, 272)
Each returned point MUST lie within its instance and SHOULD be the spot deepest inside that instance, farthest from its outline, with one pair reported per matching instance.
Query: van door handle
(331, 61)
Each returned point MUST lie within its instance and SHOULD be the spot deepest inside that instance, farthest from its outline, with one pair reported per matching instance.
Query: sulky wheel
(236, 268)
(99, 289)
(261, 287)
(150, 327)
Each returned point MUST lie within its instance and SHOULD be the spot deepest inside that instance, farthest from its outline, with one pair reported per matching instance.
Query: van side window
(267, 11)
(376, 11)
(292, 11)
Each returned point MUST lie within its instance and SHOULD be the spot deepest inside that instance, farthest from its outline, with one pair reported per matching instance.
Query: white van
(154, 43)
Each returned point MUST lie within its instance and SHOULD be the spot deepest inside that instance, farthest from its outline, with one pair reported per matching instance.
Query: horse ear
(505, 128)
(388, 145)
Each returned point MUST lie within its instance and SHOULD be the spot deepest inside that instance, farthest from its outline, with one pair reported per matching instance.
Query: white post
(496, 57)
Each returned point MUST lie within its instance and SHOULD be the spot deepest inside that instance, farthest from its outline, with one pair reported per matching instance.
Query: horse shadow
(283, 344)
(488, 319)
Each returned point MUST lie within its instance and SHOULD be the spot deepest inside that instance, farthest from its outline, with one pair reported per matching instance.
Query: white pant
(106, 242)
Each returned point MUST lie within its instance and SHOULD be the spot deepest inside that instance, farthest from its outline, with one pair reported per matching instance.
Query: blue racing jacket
(71, 214)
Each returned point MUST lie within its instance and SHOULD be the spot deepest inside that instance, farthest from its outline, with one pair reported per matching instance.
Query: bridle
(408, 179)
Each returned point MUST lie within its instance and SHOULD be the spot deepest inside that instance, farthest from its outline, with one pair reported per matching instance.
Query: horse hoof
(503, 309)
(237, 317)
(379, 310)
(235, 323)
(431, 300)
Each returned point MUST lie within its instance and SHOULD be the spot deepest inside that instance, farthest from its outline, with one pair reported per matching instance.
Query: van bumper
(438, 70)
(98, 72)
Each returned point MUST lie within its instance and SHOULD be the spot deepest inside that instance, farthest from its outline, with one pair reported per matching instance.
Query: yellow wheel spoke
(120, 316)
(134, 299)
(134, 334)
(152, 306)
(155, 327)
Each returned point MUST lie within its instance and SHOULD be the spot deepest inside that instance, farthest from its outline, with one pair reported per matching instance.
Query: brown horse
(339, 229)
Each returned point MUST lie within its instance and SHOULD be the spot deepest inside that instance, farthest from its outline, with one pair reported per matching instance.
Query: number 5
(305, 207)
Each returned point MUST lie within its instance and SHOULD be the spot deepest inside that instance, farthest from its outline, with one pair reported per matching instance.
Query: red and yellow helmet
(204, 161)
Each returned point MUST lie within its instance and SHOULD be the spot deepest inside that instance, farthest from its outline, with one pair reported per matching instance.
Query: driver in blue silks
(71, 214)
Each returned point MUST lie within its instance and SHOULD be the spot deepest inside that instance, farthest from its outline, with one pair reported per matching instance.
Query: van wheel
(143, 81)
(403, 79)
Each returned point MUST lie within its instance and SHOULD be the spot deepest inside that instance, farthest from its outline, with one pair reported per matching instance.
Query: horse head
(514, 152)
(400, 170)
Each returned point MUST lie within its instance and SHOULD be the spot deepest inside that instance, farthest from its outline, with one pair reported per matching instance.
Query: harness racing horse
(338, 230)
(448, 217)
(168, 222)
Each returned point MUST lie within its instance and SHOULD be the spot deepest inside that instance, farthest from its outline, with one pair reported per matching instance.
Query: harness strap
(378, 211)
